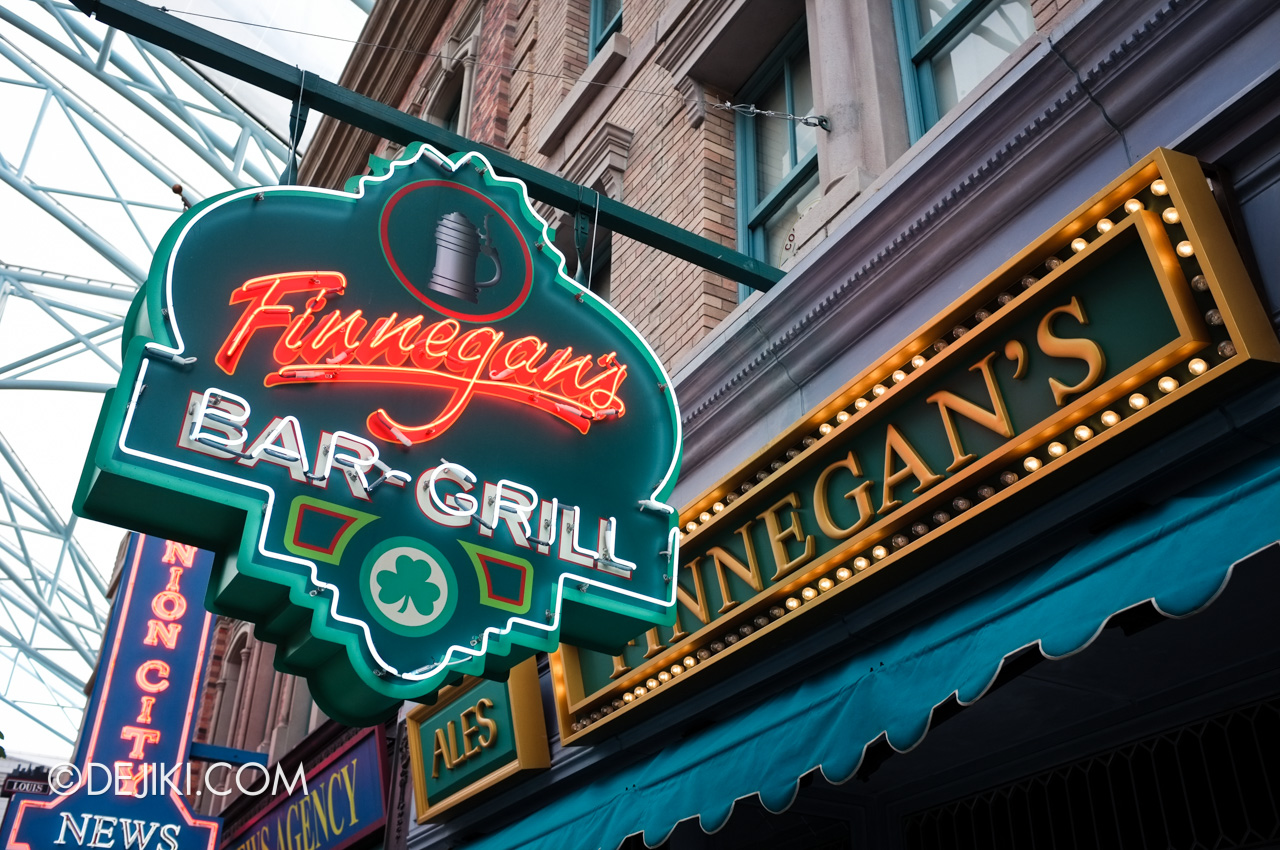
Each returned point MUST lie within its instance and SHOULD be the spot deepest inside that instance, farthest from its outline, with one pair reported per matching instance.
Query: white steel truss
(104, 139)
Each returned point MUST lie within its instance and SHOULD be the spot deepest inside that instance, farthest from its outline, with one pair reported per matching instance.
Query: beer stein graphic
(458, 245)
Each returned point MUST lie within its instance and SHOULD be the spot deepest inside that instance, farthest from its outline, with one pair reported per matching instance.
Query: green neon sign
(424, 450)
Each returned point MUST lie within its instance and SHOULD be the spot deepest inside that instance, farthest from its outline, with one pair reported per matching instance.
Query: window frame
(917, 50)
(753, 214)
(599, 31)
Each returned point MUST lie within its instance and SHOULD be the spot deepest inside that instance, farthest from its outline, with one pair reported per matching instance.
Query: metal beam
(64, 386)
(110, 252)
(208, 152)
(200, 45)
(88, 286)
(44, 722)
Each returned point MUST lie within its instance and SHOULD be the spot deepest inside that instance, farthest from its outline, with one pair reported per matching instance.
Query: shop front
(978, 505)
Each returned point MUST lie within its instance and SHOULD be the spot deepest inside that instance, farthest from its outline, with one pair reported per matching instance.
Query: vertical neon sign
(125, 785)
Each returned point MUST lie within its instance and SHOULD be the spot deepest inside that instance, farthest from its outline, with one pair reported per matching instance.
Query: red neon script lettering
(352, 349)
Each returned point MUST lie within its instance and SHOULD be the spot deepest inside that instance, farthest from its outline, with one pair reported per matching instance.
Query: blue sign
(340, 803)
(125, 787)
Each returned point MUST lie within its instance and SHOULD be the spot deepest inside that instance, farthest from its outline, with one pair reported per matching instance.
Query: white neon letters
(450, 494)
(460, 474)
(214, 425)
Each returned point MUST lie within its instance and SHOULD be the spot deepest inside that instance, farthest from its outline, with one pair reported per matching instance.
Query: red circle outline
(400, 275)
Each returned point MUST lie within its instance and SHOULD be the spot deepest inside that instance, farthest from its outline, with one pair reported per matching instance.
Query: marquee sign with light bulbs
(1127, 316)
(425, 451)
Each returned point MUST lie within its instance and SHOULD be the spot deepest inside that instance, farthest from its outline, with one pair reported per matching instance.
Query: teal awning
(1179, 555)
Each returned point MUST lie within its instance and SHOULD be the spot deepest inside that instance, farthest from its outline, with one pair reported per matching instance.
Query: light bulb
(1078, 244)
(1197, 367)
(825, 584)
(899, 375)
(808, 593)
(676, 669)
(1132, 205)
(879, 390)
(704, 516)
(842, 416)
(1159, 187)
(879, 553)
(1105, 224)
(1109, 418)
(1167, 384)
(717, 507)
(1083, 432)
(651, 684)
(1031, 464)
(1170, 215)
(1057, 449)
(628, 697)
(860, 403)
(640, 691)
(843, 574)
(689, 661)
(664, 677)
(918, 361)
(690, 526)
(824, 429)
(1185, 249)
(1137, 401)
(792, 603)
(860, 563)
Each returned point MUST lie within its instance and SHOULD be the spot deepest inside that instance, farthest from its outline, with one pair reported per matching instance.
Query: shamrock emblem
(409, 580)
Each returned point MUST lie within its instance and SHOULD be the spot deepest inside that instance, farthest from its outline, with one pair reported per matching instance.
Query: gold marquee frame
(1237, 324)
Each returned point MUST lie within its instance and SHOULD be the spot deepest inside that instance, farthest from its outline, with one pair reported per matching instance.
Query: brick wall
(675, 172)
(1048, 13)
(532, 53)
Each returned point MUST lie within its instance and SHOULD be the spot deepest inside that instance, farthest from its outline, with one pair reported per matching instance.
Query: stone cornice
(602, 159)
(685, 28)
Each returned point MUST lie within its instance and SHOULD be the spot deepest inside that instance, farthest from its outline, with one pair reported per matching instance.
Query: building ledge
(609, 59)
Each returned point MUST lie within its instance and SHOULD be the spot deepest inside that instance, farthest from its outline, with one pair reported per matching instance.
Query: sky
(50, 431)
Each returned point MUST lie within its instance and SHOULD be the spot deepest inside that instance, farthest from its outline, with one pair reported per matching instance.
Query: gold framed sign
(478, 735)
(1129, 316)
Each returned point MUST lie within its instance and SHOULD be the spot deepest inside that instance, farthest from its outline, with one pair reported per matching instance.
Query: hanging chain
(751, 109)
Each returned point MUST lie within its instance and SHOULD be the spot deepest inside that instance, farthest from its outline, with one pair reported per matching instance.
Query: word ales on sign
(139, 720)
(432, 453)
(475, 738)
(1111, 326)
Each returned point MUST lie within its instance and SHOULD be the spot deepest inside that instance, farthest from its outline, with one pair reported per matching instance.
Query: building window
(448, 87)
(777, 158)
(606, 19)
(949, 46)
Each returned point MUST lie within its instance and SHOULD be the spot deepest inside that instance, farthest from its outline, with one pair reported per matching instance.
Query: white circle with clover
(408, 586)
